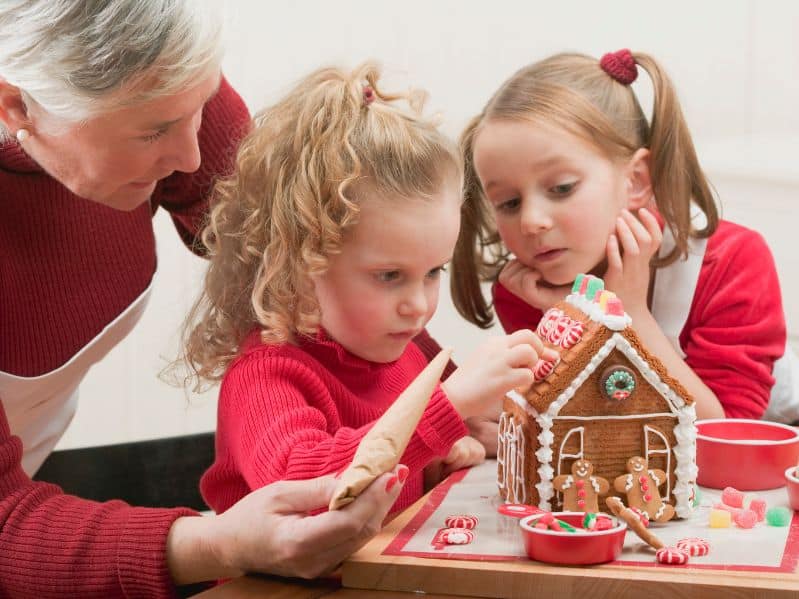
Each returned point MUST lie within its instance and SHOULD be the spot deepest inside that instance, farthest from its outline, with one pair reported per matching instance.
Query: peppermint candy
(461, 521)
(694, 546)
(558, 329)
(672, 556)
(543, 368)
(457, 536)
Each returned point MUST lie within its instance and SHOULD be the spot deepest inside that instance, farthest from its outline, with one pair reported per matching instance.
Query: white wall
(735, 62)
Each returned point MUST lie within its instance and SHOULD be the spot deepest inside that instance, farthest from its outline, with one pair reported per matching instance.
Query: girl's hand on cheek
(500, 364)
(528, 284)
(629, 253)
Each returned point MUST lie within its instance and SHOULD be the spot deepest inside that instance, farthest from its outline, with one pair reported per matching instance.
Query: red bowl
(792, 482)
(750, 455)
(572, 548)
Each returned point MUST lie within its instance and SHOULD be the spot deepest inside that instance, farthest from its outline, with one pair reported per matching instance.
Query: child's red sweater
(299, 411)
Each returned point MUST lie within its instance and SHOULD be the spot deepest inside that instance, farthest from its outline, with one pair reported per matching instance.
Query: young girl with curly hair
(326, 248)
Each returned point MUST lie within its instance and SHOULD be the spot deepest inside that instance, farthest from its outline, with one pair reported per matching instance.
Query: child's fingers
(652, 225)
(614, 255)
(627, 238)
(640, 232)
(522, 355)
(525, 337)
(521, 378)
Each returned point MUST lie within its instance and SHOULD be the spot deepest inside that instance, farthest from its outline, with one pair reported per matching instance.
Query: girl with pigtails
(326, 248)
(565, 175)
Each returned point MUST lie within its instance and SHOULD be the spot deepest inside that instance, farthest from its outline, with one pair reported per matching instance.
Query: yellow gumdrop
(720, 519)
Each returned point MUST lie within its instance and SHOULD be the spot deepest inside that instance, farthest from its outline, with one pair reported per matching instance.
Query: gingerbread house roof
(584, 329)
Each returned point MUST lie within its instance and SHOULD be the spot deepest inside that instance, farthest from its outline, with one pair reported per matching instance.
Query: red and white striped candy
(457, 536)
(642, 516)
(543, 368)
(672, 556)
(572, 334)
(461, 521)
(548, 322)
(694, 546)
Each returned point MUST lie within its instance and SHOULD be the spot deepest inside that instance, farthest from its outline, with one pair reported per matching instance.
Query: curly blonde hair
(573, 92)
(300, 175)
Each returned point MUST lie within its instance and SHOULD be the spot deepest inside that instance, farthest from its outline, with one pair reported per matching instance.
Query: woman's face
(116, 159)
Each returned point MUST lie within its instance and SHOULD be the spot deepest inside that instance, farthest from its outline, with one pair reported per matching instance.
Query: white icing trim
(594, 483)
(619, 417)
(629, 484)
(595, 313)
(580, 431)
(567, 482)
(510, 454)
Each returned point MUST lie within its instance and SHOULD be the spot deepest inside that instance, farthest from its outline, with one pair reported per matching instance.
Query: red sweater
(736, 327)
(68, 267)
(296, 412)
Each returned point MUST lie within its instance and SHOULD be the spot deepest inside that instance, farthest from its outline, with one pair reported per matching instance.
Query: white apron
(673, 294)
(40, 408)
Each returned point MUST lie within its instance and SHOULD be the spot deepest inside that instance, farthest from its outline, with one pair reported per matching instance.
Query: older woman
(110, 110)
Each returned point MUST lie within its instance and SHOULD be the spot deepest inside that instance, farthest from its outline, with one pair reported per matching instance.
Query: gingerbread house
(605, 401)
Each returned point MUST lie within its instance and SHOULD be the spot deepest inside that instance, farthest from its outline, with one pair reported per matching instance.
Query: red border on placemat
(790, 555)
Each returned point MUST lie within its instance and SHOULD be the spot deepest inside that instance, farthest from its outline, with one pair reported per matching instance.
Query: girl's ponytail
(676, 175)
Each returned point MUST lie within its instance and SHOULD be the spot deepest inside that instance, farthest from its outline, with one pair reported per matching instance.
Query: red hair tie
(620, 65)
(368, 95)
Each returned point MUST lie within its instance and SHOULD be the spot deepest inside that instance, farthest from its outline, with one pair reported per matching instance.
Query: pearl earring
(22, 135)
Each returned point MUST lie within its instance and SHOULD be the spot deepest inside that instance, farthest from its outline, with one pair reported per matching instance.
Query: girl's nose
(535, 217)
(414, 304)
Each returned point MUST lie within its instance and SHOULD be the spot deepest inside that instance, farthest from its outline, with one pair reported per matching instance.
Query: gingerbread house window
(572, 448)
(657, 447)
(510, 459)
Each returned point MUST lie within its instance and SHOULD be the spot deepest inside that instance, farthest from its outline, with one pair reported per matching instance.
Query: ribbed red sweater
(296, 412)
(68, 267)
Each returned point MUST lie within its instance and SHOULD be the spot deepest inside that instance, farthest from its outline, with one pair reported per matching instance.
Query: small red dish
(750, 455)
(572, 548)
(792, 482)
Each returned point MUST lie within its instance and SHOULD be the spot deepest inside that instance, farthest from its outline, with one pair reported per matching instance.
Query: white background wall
(735, 63)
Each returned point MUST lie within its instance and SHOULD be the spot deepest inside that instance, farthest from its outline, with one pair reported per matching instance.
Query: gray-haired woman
(108, 111)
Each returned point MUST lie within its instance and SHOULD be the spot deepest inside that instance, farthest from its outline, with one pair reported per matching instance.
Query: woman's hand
(500, 364)
(628, 270)
(270, 531)
(466, 451)
(528, 284)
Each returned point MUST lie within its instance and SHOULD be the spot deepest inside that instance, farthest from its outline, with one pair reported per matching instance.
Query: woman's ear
(639, 180)
(13, 112)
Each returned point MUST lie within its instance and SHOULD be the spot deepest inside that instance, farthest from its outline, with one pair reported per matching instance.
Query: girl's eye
(387, 276)
(563, 188)
(436, 272)
(508, 205)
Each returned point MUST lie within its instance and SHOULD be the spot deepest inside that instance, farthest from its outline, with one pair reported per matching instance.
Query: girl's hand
(466, 451)
(500, 364)
(528, 284)
(628, 267)
(485, 430)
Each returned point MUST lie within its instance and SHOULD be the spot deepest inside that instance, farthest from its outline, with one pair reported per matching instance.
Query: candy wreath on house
(604, 419)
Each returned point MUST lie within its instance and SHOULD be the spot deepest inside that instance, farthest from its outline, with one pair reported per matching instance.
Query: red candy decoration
(672, 556)
(461, 521)
(694, 546)
(518, 510)
(642, 516)
(457, 536)
(620, 65)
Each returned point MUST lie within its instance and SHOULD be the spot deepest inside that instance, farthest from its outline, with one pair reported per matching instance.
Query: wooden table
(369, 573)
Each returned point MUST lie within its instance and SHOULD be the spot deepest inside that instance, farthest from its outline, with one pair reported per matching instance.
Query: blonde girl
(564, 174)
(326, 248)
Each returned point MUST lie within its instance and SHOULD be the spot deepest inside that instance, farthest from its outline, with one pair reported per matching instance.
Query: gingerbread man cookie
(580, 489)
(640, 484)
